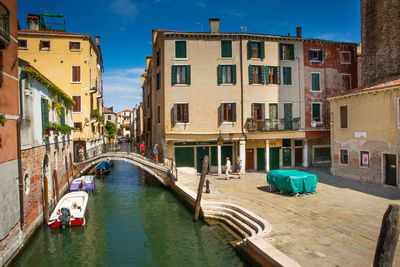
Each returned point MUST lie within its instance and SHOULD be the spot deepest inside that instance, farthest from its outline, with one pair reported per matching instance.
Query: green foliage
(54, 126)
(101, 119)
(66, 129)
(94, 114)
(111, 130)
(2, 120)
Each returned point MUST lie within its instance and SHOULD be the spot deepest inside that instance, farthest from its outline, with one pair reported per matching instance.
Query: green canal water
(132, 221)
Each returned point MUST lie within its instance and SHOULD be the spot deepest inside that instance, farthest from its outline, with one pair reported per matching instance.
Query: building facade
(74, 63)
(125, 122)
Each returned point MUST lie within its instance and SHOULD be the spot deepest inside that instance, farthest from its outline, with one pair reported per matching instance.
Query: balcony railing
(267, 125)
(4, 27)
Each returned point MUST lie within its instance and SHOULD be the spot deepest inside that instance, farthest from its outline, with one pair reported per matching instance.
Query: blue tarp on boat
(292, 181)
(103, 166)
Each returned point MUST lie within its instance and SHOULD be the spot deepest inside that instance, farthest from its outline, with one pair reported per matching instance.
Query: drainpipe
(298, 66)
(241, 87)
(21, 182)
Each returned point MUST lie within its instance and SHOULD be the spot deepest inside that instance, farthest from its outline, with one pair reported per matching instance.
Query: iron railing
(267, 125)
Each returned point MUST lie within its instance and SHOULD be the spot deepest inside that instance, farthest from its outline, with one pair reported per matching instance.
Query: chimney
(97, 39)
(298, 32)
(214, 25)
(33, 22)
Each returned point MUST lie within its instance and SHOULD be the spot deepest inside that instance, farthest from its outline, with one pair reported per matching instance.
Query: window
(255, 50)
(76, 74)
(27, 183)
(181, 113)
(364, 159)
(75, 46)
(45, 113)
(180, 75)
(158, 81)
(322, 154)
(62, 117)
(258, 111)
(180, 49)
(344, 156)
(272, 75)
(226, 74)
(315, 82)
(227, 112)
(286, 142)
(226, 48)
(345, 57)
(22, 44)
(158, 57)
(158, 114)
(346, 81)
(286, 51)
(273, 112)
(316, 112)
(44, 45)
(256, 74)
(287, 75)
(315, 55)
(343, 117)
(109, 117)
(78, 126)
(77, 106)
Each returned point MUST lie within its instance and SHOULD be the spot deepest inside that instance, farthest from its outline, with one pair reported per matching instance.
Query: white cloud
(124, 8)
(235, 12)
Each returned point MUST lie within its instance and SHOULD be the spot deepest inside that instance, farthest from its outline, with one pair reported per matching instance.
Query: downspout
(241, 87)
(300, 103)
(21, 182)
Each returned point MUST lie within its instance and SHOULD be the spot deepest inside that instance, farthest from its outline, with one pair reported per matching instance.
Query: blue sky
(125, 28)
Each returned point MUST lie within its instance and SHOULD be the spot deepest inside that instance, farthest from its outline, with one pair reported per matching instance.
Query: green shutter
(262, 69)
(249, 50)
(251, 74)
(180, 49)
(315, 82)
(219, 74)
(316, 115)
(320, 55)
(267, 81)
(262, 50)
(188, 74)
(281, 51)
(62, 117)
(278, 74)
(292, 52)
(226, 48)
(173, 75)
(234, 74)
(45, 113)
(309, 55)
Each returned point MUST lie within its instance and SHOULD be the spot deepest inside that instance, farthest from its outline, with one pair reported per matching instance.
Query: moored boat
(76, 185)
(103, 168)
(70, 210)
(88, 183)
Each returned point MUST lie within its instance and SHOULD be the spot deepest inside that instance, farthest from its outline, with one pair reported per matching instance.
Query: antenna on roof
(243, 28)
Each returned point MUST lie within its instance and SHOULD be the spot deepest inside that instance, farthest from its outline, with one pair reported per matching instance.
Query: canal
(132, 221)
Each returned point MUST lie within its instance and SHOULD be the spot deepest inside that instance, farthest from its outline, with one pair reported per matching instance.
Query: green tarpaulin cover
(292, 181)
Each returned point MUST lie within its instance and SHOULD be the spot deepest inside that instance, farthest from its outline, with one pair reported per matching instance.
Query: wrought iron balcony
(4, 27)
(267, 125)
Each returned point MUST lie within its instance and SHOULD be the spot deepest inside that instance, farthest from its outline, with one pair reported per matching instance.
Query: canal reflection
(132, 221)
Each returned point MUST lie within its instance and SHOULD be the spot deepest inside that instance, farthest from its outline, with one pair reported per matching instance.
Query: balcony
(267, 125)
(4, 27)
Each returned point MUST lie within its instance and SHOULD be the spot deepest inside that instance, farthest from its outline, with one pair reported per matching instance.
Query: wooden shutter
(343, 117)
(188, 74)
(219, 74)
(251, 74)
(262, 111)
(252, 111)
(234, 112)
(320, 55)
(291, 51)
(173, 75)
(180, 49)
(175, 114)
(77, 106)
(62, 117)
(278, 74)
(76, 73)
(226, 48)
(315, 82)
(267, 70)
(249, 50)
(316, 112)
(234, 74)
(45, 113)
(186, 112)
(220, 114)
(262, 73)
(281, 51)
(262, 50)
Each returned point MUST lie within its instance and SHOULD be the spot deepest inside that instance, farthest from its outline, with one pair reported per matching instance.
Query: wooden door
(391, 169)
(260, 159)
(274, 158)
(298, 157)
(249, 159)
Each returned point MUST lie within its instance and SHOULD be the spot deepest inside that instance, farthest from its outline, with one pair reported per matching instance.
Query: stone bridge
(164, 174)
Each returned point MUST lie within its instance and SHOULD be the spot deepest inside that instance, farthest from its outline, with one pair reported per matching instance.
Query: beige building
(365, 134)
(245, 88)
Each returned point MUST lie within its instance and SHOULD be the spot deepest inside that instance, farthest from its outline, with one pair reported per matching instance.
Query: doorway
(260, 159)
(298, 157)
(390, 169)
(274, 158)
(249, 159)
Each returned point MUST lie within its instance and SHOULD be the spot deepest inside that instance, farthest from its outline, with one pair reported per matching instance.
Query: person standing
(239, 167)
(142, 149)
(155, 151)
(227, 168)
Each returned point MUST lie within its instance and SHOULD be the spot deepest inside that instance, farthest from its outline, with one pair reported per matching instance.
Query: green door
(226, 151)
(274, 158)
(201, 152)
(261, 159)
(184, 156)
(287, 157)
(288, 117)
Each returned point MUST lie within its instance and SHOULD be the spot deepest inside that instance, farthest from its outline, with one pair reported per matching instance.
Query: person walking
(155, 151)
(228, 168)
(80, 154)
(142, 149)
(239, 167)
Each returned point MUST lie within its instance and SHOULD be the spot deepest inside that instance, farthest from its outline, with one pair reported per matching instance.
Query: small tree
(111, 130)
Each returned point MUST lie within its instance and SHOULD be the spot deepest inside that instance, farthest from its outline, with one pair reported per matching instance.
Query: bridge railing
(170, 163)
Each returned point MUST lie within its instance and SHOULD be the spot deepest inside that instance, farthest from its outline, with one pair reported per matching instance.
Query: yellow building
(74, 63)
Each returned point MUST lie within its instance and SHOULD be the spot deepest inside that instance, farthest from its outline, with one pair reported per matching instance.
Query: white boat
(70, 210)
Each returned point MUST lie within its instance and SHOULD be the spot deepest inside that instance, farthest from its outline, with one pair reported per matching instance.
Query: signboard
(360, 134)
(275, 143)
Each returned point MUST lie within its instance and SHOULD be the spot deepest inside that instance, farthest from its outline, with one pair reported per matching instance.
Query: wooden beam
(200, 189)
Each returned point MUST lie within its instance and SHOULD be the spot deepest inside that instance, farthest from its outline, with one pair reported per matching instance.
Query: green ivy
(2, 120)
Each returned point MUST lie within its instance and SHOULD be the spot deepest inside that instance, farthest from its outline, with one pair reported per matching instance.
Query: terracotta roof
(107, 110)
(387, 82)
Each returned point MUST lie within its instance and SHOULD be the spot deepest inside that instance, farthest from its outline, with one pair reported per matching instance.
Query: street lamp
(220, 139)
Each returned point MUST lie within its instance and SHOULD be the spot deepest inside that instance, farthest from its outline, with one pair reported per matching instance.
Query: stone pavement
(337, 226)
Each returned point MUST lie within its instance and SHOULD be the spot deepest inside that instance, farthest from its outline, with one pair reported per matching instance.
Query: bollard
(208, 186)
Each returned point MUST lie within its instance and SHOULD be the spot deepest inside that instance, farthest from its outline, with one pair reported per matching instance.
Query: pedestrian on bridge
(155, 151)
(142, 149)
